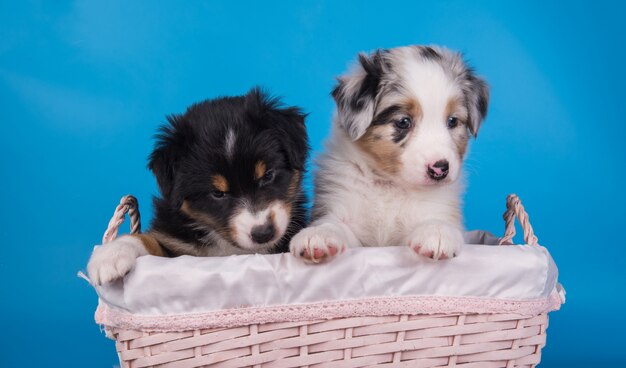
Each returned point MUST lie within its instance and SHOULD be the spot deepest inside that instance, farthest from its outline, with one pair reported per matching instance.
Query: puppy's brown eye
(217, 194)
(268, 177)
(404, 123)
(452, 122)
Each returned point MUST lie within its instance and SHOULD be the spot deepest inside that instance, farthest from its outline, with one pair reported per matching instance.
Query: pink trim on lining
(383, 306)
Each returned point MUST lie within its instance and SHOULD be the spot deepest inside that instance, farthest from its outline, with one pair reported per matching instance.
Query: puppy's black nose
(263, 233)
(438, 170)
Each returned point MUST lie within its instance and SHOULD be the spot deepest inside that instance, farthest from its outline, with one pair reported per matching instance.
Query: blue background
(83, 86)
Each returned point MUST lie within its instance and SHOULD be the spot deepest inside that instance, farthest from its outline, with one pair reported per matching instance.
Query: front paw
(114, 260)
(436, 241)
(317, 244)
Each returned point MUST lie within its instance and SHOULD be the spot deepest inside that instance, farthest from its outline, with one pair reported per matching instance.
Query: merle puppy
(392, 171)
(229, 172)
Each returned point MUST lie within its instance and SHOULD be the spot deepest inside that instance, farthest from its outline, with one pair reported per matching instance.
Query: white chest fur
(377, 210)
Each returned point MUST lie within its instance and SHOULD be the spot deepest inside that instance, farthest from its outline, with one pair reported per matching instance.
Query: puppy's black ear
(288, 122)
(295, 141)
(355, 94)
(171, 143)
(476, 94)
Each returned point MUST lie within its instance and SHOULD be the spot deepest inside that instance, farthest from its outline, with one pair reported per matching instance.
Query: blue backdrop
(83, 86)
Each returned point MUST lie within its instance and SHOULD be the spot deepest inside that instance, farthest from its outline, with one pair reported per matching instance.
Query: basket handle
(514, 208)
(128, 204)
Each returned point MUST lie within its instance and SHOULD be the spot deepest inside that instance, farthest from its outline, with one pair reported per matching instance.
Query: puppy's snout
(263, 233)
(438, 170)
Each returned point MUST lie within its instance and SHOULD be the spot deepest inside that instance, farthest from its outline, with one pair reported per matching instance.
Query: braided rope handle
(514, 208)
(128, 204)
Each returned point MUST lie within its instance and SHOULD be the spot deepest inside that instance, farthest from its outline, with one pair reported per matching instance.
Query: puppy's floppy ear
(355, 94)
(296, 142)
(476, 92)
(171, 143)
(288, 122)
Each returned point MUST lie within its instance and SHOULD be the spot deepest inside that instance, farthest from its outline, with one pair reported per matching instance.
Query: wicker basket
(480, 340)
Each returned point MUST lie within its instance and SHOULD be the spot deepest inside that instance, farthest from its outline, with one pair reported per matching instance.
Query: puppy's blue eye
(404, 123)
(268, 177)
(217, 194)
(452, 122)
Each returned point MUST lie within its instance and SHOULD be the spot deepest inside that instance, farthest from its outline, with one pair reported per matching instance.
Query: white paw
(317, 244)
(113, 260)
(436, 241)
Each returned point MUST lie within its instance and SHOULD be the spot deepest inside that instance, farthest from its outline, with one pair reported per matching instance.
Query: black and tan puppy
(229, 172)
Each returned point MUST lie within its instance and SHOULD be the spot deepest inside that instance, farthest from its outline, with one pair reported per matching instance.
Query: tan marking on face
(414, 109)
(455, 108)
(230, 232)
(207, 220)
(286, 206)
(220, 183)
(378, 143)
(259, 170)
(294, 184)
(407, 107)
(451, 107)
(198, 216)
(185, 208)
(226, 233)
(151, 244)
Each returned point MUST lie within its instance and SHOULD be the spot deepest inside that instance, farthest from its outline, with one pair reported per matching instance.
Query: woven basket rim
(399, 305)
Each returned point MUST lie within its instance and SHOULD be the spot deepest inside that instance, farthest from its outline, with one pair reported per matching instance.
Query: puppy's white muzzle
(259, 229)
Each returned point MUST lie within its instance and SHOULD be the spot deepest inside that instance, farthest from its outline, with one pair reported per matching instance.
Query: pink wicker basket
(394, 332)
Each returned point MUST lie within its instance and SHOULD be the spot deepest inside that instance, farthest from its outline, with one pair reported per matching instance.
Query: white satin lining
(161, 286)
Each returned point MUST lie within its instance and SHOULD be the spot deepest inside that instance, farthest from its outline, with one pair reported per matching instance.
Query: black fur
(430, 53)
(368, 88)
(384, 117)
(190, 151)
(360, 97)
(476, 94)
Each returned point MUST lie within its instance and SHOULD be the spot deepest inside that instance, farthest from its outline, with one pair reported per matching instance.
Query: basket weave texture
(422, 340)
(475, 340)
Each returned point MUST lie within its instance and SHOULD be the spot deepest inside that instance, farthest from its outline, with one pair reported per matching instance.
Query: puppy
(391, 171)
(229, 172)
